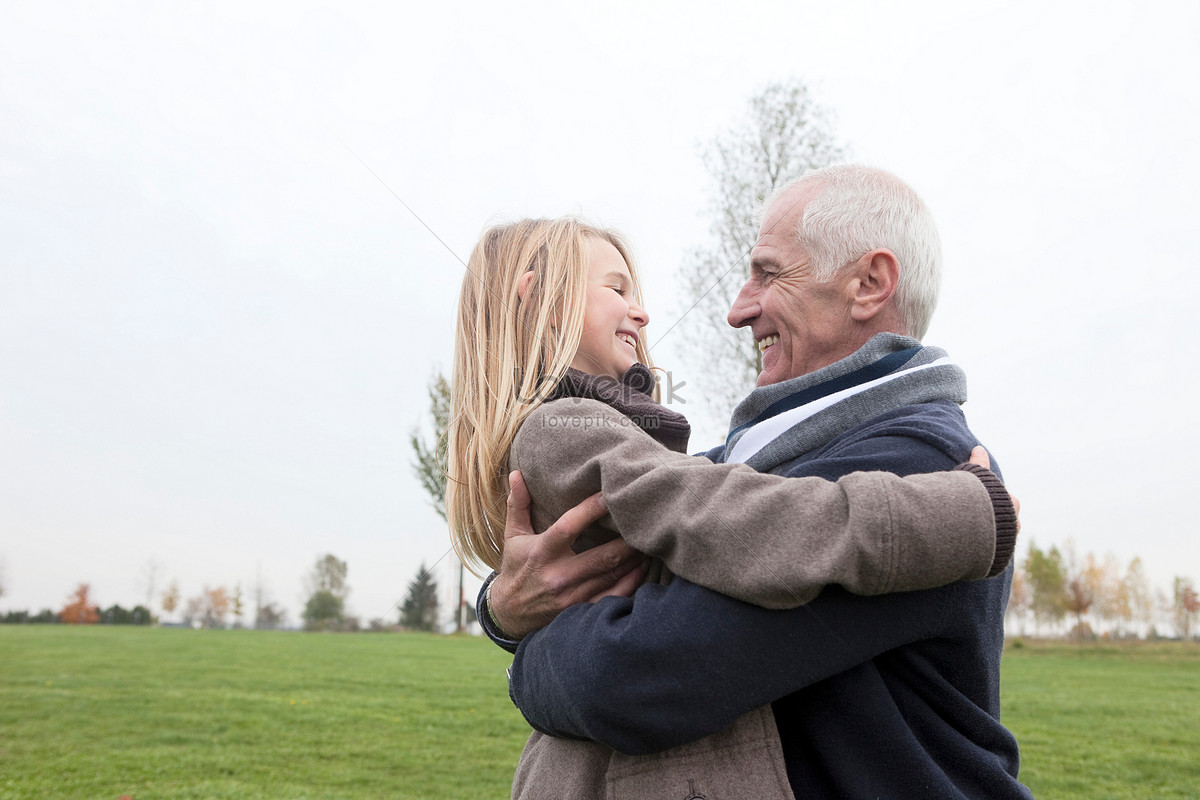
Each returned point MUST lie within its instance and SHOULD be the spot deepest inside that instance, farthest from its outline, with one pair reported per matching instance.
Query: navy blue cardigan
(892, 696)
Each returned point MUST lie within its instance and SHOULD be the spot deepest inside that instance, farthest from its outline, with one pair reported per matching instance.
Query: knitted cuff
(1003, 511)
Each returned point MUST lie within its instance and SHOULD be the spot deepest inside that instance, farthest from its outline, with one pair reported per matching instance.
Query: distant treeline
(1085, 597)
(113, 615)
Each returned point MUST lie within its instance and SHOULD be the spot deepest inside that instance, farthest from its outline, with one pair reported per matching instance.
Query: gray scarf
(785, 420)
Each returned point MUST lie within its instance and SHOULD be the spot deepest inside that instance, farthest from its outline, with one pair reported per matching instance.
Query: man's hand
(540, 575)
(979, 457)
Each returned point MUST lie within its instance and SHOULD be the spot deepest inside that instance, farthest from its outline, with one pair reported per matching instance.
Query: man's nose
(745, 307)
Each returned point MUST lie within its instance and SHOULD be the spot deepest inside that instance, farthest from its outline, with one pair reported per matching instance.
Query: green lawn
(1100, 722)
(98, 712)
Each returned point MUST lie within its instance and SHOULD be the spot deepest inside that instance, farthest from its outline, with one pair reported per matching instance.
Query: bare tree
(260, 593)
(784, 134)
(237, 605)
(151, 573)
(268, 615)
(1186, 606)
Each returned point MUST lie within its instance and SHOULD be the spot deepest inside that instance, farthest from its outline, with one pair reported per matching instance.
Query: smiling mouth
(628, 339)
(767, 341)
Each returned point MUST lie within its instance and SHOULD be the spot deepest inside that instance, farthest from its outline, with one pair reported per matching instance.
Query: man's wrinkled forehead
(782, 214)
(781, 218)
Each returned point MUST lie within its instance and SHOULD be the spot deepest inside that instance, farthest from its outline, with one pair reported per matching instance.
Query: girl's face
(612, 320)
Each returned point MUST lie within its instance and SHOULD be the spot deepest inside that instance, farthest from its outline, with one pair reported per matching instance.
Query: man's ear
(523, 283)
(876, 276)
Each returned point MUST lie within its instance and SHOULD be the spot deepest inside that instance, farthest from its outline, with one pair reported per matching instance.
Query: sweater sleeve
(769, 540)
(1005, 512)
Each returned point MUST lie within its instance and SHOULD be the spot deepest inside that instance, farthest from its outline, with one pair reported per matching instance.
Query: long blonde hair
(509, 355)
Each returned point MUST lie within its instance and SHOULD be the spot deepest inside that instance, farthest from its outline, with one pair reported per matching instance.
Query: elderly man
(889, 696)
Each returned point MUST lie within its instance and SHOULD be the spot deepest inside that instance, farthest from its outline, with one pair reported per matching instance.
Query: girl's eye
(618, 290)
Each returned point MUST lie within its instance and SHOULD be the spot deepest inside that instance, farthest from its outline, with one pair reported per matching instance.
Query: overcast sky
(217, 321)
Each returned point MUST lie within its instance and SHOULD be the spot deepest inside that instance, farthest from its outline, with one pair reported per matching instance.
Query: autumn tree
(325, 608)
(1083, 581)
(1186, 606)
(215, 607)
(419, 612)
(80, 610)
(1141, 597)
(1020, 598)
(207, 609)
(430, 468)
(1047, 581)
(170, 598)
(1113, 603)
(784, 134)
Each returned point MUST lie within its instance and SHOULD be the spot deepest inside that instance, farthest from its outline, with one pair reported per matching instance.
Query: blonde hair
(509, 355)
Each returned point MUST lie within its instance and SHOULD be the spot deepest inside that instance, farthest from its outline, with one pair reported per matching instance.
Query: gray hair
(860, 209)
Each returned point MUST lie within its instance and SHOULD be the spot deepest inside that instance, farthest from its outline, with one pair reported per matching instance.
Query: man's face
(800, 325)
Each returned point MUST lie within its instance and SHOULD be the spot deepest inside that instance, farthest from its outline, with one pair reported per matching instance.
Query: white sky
(217, 326)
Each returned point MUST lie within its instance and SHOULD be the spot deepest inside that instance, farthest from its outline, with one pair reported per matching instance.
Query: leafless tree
(151, 573)
(784, 134)
(1186, 606)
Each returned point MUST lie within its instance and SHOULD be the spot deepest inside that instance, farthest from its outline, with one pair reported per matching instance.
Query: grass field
(1105, 721)
(100, 712)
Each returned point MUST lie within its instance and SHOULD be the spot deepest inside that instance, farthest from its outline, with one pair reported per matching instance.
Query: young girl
(551, 376)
